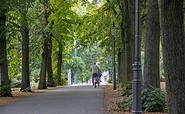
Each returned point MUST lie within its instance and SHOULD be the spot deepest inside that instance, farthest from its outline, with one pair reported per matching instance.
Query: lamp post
(136, 106)
(75, 55)
(114, 64)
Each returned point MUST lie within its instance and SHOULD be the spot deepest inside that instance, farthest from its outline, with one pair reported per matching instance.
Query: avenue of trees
(37, 42)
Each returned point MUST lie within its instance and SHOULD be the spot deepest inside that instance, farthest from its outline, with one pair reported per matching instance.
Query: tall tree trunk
(129, 38)
(173, 43)
(25, 52)
(122, 56)
(49, 65)
(59, 64)
(45, 55)
(49, 48)
(3, 56)
(152, 41)
(46, 65)
(42, 82)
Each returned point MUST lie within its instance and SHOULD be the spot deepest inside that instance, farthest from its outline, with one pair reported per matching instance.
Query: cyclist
(94, 71)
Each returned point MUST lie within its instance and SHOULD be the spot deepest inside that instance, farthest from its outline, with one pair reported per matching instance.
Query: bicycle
(96, 80)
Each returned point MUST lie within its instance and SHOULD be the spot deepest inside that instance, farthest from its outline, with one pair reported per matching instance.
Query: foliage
(5, 91)
(153, 100)
(84, 76)
(125, 88)
(119, 103)
(63, 81)
(76, 64)
(90, 55)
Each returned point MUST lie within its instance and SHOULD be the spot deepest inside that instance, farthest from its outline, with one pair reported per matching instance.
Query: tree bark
(59, 64)
(25, 52)
(49, 65)
(49, 50)
(129, 38)
(173, 43)
(122, 51)
(42, 82)
(119, 66)
(3, 54)
(152, 41)
(46, 65)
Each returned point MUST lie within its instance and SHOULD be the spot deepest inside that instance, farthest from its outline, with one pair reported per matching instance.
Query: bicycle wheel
(95, 82)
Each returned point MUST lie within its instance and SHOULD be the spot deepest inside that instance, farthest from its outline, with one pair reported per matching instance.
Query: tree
(173, 44)
(3, 54)
(59, 64)
(152, 41)
(129, 38)
(45, 55)
(24, 29)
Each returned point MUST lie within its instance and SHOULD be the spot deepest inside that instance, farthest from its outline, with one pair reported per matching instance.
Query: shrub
(5, 91)
(153, 100)
(119, 103)
(63, 81)
(125, 88)
(126, 103)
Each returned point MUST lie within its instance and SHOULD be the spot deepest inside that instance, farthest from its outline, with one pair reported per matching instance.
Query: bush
(5, 91)
(125, 88)
(126, 103)
(153, 100)
(119, 104)
(63, 81)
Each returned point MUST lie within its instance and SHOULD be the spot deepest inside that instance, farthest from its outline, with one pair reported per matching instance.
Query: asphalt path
(68, 100)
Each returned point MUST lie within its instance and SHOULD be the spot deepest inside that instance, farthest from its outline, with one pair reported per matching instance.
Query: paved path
(68, 100)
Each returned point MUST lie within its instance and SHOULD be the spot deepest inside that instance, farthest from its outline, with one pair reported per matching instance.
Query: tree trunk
(152, 41)
(49, 65)
(46, 65)
(49, 48)
(42, 82)
(173, 43)
(119, 66)
(122, 56)
(3, 56)
(129, 38)
(59, 64)
(25, 52)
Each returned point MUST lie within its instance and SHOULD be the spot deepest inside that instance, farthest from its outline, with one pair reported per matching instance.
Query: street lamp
(114, 68)
(136, 106)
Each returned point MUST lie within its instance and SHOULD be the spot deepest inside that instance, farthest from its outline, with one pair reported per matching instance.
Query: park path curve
(68, 100)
